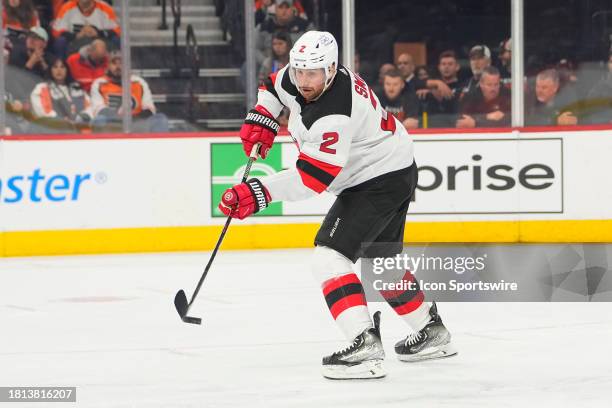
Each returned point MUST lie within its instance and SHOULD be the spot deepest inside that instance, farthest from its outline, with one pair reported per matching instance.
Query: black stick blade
(192, 320)
(181, 304)
(182, 307)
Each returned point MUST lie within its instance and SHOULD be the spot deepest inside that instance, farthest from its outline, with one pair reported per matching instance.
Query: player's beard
(309, 93)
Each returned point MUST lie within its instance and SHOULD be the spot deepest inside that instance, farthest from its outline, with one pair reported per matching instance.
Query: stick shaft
(247, 170)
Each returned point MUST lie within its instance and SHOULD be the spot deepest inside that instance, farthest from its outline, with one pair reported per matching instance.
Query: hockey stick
(180, 300)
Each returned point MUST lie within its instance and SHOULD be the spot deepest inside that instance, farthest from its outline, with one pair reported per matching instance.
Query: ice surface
(107, 325)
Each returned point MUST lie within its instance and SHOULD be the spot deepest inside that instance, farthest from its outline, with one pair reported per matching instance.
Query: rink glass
(206, 83)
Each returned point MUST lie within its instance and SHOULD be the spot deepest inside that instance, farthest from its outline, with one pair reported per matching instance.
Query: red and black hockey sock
(347, 303)
(342, 293)
(409, 303)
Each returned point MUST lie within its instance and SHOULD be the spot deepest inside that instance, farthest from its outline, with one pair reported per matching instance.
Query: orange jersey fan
(107, 94)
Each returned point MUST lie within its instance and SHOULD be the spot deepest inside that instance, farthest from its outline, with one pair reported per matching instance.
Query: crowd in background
(63, 73)
(447, 94)
(63, 69)
(483, 97)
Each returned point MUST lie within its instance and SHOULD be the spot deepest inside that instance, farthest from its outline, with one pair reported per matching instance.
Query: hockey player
(349, 146)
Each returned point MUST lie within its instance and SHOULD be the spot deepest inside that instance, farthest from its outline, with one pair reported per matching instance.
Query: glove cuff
(261, 194)
(254, 117)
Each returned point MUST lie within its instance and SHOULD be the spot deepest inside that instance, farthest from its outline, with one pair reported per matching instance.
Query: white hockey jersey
(344, 138)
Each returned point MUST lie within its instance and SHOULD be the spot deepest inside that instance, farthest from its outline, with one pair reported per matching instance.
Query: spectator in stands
(89, 63)
(31, 55)
(422, 89)
(106, 97)
(448, 68)
(422, 73)
(599, 99)
(480, 58)
(46, 10)
(79, 22)
(32, 61)
(281, 45)
(444, 111)
(382, 71)
(404, 106)
(266, 8)
(505, 61)
(60, 104)
(405, 64)
(263, 9)
(286, 19)
(544, 106)
(18, 16)
(488, 105)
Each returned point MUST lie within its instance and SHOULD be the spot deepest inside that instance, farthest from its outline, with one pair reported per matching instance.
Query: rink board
(114, 193)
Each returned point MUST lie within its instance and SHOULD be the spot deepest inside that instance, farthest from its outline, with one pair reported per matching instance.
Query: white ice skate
(362, 360)
(433, 341)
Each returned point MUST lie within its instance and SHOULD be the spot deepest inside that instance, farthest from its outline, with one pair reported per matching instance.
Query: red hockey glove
(245, 199)
(259, 127)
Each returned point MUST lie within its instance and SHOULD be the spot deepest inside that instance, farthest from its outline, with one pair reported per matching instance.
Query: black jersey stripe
(315, 172)
(287, 85)
(270, 87)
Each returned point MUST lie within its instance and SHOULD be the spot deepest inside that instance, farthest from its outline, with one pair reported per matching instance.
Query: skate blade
(432, 353)
(364, 371)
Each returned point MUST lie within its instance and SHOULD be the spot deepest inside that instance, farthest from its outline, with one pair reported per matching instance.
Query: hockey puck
(192, 320)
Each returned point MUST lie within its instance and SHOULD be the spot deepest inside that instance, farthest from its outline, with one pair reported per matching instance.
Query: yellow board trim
(272, 236)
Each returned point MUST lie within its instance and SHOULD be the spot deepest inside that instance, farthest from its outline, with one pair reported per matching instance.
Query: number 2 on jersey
(329, 139)
(387, 122)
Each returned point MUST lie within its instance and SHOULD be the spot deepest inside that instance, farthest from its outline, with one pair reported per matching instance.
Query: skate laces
(413, 338)
(349, 348)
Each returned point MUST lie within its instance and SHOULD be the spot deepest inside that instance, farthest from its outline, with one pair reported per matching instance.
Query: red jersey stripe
(273, 77)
